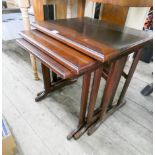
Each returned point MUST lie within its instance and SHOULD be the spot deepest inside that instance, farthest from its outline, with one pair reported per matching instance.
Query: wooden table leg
(49, 85)
(54, 77)
(137, 56)
(84, 99)
(114, 76)
(94, 93)
(93, 96)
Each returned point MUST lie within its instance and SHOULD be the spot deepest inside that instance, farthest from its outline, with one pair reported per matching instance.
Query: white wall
(136, 17)
(74, 9)
(89, 9)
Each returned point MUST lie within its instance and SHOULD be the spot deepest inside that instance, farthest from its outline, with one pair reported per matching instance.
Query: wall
(136, 17)
(89, 9)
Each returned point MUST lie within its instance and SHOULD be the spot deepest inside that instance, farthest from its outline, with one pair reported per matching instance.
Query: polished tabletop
(59, 69)
(96, 38)
(76, 61)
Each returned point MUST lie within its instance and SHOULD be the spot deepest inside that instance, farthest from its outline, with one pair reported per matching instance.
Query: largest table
(107, 47)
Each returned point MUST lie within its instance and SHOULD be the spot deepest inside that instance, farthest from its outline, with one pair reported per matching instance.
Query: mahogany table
(80, 46)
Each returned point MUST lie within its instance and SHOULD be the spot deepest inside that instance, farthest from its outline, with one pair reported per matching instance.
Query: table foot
(54, 86)
(72, 133)
(97, 124)
(80, 132)
(41, 95)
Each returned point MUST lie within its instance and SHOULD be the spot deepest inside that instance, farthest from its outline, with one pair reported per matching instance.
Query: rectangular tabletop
(95, 38)
(75, 61)
(45, 59)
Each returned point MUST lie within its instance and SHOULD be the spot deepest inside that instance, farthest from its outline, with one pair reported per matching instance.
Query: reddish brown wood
(84, 97)
(95, 38)
(131, 3)
(70, 58)
(81, 8)
(46, 78)
(54, 77)
(112, 82)
(84, 102)
(130, 74)
(104, 75)
(60, 8)
(54, 86)
(124, 75)
(104, 42)
(94, 126)
(52, 64)
(38, 9)
(93, 95)
(114, 14)
(47, 83)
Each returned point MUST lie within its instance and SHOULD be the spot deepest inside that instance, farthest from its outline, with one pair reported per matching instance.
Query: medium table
(81, 46)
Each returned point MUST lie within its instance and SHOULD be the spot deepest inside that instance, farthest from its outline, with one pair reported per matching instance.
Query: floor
(41, 128)
(12, 25)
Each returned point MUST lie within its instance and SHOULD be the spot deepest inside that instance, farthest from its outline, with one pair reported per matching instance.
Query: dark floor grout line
(140, 105)
(137, 104)
(125, 140)
(143, 109)
(129, 117)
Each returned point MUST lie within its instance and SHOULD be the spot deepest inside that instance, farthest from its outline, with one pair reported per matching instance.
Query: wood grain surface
(98, 39)
(114, 14)
(72, 59)
(38, 9)
(48, 61)
(131, 3)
